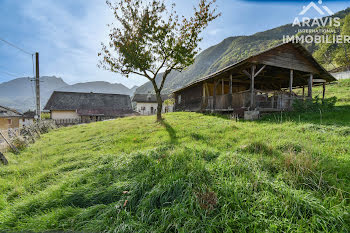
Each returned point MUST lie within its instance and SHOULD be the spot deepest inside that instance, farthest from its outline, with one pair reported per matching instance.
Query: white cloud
(69, 42)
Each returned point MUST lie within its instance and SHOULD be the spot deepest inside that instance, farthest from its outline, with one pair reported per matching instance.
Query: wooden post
(11, 146)
(252, 76)
(291, 82)
(3, 159)
(204, 99)
(203, 94)
(222, 87)
(207, 90)
(291, 88)
(303, 91)
(230, 92)
(37, 86)
(324, 90)
(214, 95)
(309, 93)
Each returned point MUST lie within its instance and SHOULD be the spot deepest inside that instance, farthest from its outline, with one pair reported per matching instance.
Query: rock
(251, 115)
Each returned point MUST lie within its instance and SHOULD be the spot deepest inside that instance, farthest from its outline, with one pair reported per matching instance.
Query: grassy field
(200, 173)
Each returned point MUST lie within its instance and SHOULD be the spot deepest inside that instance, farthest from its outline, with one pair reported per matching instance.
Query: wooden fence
(6, 136)
(9, 138)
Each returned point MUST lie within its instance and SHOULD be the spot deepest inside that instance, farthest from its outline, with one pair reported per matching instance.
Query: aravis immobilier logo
(323, 29)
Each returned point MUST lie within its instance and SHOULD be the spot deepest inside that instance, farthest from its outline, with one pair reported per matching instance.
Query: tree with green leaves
(150, 39)
(345, 60)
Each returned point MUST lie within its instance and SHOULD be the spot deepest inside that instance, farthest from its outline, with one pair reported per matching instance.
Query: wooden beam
(214, 94)
(291, 82)
(323, 91)
(222, 87)
(207, 89)
(230, 92)
(309, 93)
(304, 91)
(257, 73)
(11, 146)
(247, 73)
(319, 81)
(203, 92)
(3, 159)
(252, 87)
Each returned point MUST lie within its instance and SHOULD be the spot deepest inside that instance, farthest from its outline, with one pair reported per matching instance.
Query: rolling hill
(19, 93)
(195, 173)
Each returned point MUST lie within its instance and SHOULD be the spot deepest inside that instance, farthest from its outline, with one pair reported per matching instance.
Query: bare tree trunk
(159, 107)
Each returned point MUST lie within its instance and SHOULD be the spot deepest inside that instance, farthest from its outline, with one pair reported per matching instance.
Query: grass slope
(195, 173)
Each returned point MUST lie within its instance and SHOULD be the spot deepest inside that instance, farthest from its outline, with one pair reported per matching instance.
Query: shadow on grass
(171, 132)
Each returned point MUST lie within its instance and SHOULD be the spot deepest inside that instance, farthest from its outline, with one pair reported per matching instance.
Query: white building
(146, 104)
(27, 119)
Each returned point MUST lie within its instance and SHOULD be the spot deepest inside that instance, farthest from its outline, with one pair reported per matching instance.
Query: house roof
(322, 73)
(8, 112)
(29, 114)
(90, 103)
(148, 98)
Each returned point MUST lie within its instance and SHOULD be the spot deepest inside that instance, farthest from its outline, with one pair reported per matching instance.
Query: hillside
(19, 93)
(284, 173)
(228, 52)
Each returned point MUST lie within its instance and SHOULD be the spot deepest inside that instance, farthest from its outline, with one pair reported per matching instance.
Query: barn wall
(57, 115)
(191, 99)
(285, 57)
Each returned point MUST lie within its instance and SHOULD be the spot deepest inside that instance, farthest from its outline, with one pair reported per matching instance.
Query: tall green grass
(194, 173)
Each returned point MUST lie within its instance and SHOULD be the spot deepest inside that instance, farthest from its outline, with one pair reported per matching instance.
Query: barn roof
(8, 112)
(90, 103)
(262, 58)
(29, 114)
(148, 98)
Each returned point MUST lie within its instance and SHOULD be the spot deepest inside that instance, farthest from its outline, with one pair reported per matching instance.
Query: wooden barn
(76, 107)
(263, 82)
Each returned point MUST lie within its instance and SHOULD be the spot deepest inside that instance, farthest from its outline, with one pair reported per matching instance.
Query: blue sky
(68, 33)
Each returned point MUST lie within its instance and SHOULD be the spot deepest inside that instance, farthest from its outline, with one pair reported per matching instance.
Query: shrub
(20, 142)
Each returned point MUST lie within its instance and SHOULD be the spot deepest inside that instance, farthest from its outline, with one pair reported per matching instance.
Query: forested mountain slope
(231, 50)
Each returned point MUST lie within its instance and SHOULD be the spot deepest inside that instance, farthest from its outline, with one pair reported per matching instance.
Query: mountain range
(230, 51)
(20, 93)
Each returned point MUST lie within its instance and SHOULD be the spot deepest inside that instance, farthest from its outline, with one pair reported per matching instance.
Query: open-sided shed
(263, 82)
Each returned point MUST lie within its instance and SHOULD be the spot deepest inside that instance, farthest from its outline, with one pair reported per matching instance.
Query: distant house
(9, 118)
(27, 119)
(146, 104)
(87, 107)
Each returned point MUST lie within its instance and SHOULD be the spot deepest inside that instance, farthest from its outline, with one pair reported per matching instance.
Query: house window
(9, 121)
(179, 99)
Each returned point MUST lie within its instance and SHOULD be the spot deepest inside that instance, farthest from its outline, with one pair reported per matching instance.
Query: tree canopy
(149, 39)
